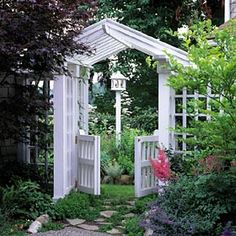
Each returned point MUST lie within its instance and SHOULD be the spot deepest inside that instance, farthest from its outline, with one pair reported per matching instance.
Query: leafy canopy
(36, 37)
(214, 68)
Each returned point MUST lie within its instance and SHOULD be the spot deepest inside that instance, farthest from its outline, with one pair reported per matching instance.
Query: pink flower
(161, 166)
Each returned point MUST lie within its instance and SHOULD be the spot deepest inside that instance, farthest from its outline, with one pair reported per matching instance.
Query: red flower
(161, 166)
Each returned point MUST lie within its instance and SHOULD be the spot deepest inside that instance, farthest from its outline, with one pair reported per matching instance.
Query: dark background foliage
(35, 38)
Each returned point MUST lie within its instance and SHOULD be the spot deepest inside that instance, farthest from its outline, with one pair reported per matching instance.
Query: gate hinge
(76, 139)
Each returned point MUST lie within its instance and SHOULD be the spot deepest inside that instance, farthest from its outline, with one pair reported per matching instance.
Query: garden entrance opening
(76, 160)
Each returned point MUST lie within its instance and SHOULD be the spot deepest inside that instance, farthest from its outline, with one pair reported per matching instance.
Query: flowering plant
(161, 166)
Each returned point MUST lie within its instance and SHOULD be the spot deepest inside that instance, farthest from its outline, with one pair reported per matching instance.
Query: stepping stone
(129, 215)
(148, 232)
(107, 214)
(131, 203)
(113, 231)
(105, 223)
(88, 227)
(75, 221)
(120, 227)
(100, 220)
(124, 206)
(106, 207)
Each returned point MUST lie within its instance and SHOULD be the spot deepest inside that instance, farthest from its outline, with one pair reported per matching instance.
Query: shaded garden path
(71, 231)
(118, 209)
(111, 221)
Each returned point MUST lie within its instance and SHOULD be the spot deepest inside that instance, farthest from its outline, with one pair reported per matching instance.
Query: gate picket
(88, 164)
(145, 182)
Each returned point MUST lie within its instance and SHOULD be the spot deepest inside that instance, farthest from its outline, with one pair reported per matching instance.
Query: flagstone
(88, 227)
(75, 221)
(129, 215)
(107, 214)
(113, 231)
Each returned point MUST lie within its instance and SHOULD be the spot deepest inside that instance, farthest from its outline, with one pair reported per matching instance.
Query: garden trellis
(105, 38)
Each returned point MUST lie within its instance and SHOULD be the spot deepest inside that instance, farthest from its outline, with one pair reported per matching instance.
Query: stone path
(71, 231)
(81, 227)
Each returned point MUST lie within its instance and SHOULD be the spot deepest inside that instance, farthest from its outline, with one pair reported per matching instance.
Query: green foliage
(11, 229)
(183, 164)
(214, 67)
(196, 206)
(141, 204)
(132, 227)
(123, 154)
(51, 226)
(105, 228)
(77, 205)
(101, 122)
(24, 199)
(113, 170)
(21, 171)
(142, 118)
(105, 102)
(2, 218)
(154, 18)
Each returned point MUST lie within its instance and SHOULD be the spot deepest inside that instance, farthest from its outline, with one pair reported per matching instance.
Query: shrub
(196, 206)
(18, 170)
(77, 205)
(132, 227)
(122, 154)
(114, 171)
(142, 119)
(24, 199)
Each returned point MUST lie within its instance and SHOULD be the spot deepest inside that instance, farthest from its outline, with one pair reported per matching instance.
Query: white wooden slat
(145, 181)
(88, 160)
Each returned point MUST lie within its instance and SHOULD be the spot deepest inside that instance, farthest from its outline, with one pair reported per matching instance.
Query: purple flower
(228, 232)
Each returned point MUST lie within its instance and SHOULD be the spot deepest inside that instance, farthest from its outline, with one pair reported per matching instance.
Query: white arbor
(105, 38)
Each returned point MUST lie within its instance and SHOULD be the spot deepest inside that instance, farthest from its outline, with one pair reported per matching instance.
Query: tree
(36, 36)
(155, 18)
(214, 68)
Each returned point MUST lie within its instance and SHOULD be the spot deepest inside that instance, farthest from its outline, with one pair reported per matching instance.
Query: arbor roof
(108, 37)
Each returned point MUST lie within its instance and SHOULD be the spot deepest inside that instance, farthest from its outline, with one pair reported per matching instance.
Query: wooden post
(165, 104)
(59, 101)
(118, 117)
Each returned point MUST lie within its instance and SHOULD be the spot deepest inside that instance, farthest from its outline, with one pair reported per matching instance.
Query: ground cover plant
(76, 205)
(117, 160)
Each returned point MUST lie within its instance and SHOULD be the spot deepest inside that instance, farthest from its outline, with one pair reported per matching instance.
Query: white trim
(126, 37)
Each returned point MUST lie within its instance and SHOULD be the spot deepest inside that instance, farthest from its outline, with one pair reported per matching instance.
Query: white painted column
(165, 104)
(227, 10)
(59, 100)
(118, 117)
(75, 72)
(86, 102)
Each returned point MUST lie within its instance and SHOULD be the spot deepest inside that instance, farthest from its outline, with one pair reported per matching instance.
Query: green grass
(124, 192)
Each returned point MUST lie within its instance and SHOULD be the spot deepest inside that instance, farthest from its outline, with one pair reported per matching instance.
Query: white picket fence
(146, 147)
(88, 164)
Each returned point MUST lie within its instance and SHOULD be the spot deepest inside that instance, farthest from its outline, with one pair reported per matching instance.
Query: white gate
(88, 164)
(146, 147)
